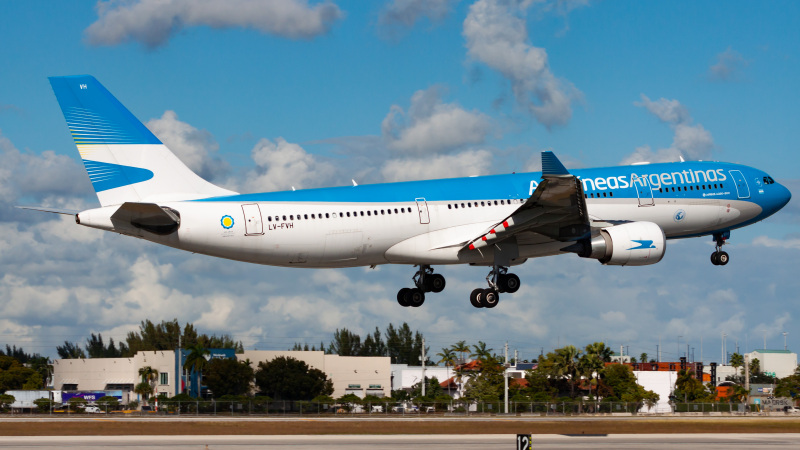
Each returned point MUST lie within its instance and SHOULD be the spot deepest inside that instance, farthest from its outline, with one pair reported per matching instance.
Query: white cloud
(496, 35)
(690, 141)
(194, 147)
(154, 22)
(728, 67)
(282, 165)
(466, 163)
(432, 126)
(765, 241)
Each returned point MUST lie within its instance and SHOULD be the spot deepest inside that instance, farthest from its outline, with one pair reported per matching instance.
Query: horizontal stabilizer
(68, 212)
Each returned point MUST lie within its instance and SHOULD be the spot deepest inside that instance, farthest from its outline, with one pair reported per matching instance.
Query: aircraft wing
(556, 210)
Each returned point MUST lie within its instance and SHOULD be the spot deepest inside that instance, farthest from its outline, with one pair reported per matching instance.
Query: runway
(491, 441)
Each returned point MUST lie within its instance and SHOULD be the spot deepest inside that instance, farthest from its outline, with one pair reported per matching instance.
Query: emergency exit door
(252, 220)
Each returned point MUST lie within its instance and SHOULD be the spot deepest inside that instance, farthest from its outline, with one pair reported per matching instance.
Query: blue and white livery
(617, 215)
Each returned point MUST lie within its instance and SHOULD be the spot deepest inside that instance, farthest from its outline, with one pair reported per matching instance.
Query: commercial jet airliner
(616, 215)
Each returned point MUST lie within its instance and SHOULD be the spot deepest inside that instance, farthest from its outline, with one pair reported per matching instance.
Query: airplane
(617, 215)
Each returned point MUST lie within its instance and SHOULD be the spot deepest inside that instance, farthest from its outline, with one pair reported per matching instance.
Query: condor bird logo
(643, 244)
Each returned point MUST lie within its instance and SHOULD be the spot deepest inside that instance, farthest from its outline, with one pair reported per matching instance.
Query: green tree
(345, 343)
(149, 376)
(13, 375)
(404, 346)
(286, 378)
(619, 384)
(566, 365)
(461, 348)
(755, 367)
(70, 351)
(447, 357)
(643, 358)
(77, 404)
(487, 384)
(539, 388)
(690, 389)
(789, 386)
(5, 401)
(96, 348)
(374, 345)
(737, 361)
(108, 403)
(227, 376)
(44, 405)
(480, 352)
(593, 360)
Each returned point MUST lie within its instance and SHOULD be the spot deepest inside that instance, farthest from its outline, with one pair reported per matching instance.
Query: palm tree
(597, 354)
(643, 357)
(480, 352)
(149, 376)
(737, 361)
(566, 365)
(448, 357)
(196, 362)
(460, 347)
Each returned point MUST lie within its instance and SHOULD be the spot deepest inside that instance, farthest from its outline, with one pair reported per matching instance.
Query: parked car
(791, 410)
(93, 410)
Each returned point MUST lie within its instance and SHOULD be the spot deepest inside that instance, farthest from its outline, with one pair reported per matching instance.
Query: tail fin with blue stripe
(124, 160)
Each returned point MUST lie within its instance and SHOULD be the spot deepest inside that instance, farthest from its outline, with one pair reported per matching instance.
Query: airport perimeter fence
(455, 408)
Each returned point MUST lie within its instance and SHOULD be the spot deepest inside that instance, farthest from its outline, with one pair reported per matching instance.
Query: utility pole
(180, 361)
(722, 356)
(423, 358)
(747, 374)
(701, 348)
(784, 340)
(505, 379)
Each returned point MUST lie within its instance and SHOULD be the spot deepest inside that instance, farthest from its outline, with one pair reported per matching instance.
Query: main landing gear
(425, 281)
(499, 281)
(720, 258)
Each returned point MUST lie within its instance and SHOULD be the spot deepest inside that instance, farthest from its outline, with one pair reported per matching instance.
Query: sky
(264, 95)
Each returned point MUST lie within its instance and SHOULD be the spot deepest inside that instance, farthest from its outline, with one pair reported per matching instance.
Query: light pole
(678, 356)
(723, 348)
(784, 340)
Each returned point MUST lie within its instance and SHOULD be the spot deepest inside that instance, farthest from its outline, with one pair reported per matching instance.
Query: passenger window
(291, 217)
(269, 218)
(284, 218)
(449, 206)
(382, 212)
(348, 213)
(305, 216)
(483, 204)
(326, 215)
(395, 210)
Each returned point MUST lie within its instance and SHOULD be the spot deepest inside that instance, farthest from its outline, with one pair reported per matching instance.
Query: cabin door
(252, 220)
(422, 207)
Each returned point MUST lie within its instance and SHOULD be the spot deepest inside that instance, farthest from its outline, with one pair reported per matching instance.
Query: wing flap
(556, 209)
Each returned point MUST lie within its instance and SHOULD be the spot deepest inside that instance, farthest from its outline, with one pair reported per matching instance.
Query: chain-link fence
(256, 407)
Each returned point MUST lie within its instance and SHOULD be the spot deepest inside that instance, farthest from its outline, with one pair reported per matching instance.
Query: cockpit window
(768, 180)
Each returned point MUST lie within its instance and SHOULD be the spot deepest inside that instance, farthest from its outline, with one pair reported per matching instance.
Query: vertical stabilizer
(124, 160)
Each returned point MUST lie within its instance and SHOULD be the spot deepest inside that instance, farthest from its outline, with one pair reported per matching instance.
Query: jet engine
(630, 244)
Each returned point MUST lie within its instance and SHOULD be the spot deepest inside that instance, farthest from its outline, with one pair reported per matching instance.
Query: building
(350, 374)
(777, 363)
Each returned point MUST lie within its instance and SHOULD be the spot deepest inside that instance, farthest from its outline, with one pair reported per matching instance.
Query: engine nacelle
(630, 244)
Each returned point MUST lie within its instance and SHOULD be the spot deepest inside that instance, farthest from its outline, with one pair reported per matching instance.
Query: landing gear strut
(499, 281)
(719, 257)
(425, 281)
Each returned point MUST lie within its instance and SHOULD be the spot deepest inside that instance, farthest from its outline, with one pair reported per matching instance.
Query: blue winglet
(551, 166)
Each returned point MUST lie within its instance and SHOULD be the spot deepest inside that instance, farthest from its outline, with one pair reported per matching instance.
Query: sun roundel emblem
(227, 222)
(679, 215)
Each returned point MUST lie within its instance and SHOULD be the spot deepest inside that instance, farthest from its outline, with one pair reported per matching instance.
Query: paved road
(549, 441)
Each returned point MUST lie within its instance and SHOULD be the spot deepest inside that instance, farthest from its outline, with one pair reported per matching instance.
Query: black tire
(510, 283)
(416, 298)
(714, 259)
(403, 296)
(501, 282)
(436, 283)
(475, 298)
(490, 298)
(723, 258)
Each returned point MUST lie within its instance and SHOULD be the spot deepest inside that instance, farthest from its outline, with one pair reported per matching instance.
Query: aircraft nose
(781, 197)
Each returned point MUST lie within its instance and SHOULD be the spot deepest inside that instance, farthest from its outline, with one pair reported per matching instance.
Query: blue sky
(267, 95)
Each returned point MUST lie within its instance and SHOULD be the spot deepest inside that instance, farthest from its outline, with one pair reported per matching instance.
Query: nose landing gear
(719, 257)
(425, 281)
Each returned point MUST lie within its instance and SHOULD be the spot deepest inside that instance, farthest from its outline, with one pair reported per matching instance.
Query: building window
(163, 378)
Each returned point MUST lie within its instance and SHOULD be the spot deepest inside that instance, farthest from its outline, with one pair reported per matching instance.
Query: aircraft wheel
(436, 283)
(714, 258)
(509, 282)
(403, 296)
(416, 298)
(475, 298)
(722, 258)
(490, 298)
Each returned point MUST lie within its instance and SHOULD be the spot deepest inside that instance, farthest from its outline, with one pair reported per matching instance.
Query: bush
(107, 403)
(76, 404)
(44, 405)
